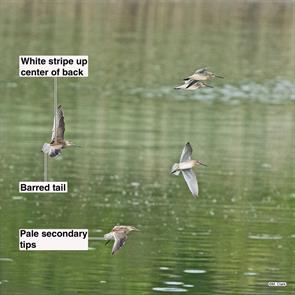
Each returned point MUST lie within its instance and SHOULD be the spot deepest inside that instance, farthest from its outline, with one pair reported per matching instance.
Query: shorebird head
(200, 163)
(132, 228)
(70, 143)
(124, 228)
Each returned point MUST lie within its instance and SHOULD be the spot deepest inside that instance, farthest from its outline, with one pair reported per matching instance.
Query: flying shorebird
(202, 75)
(185, 166)
(119, 234)
(57, 139)
(191, 84)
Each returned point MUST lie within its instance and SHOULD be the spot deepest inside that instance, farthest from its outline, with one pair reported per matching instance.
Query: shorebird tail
(46, 148)
(174, 169)
(50, 151)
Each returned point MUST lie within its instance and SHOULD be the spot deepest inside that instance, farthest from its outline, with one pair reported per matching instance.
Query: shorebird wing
(120, 240)
(58, 130)
(184, 85)
(201, 71)
(191, 180)
(186, 154)
(191, 82)
(180, 87)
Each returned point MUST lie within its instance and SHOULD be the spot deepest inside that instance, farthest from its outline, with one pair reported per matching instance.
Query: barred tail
(174, 169)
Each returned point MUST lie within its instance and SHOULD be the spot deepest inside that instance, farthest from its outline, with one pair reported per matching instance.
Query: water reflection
(170, 289)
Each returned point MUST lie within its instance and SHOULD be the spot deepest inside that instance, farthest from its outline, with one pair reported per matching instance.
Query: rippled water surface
(239, 234)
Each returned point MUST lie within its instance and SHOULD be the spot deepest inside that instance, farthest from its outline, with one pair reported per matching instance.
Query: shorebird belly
(198, 77)
(186, 165)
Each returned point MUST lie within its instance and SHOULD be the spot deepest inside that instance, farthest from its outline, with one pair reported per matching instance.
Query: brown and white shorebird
(185, 166)
(119, 234)
(203, 75)
(57, 142)
(191, 84)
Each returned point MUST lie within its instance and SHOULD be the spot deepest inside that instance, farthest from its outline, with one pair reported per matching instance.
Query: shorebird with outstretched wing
(119, 234)
(57, 142)
(185, 166)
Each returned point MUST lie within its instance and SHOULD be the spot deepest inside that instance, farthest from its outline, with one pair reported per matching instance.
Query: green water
(240, 233)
